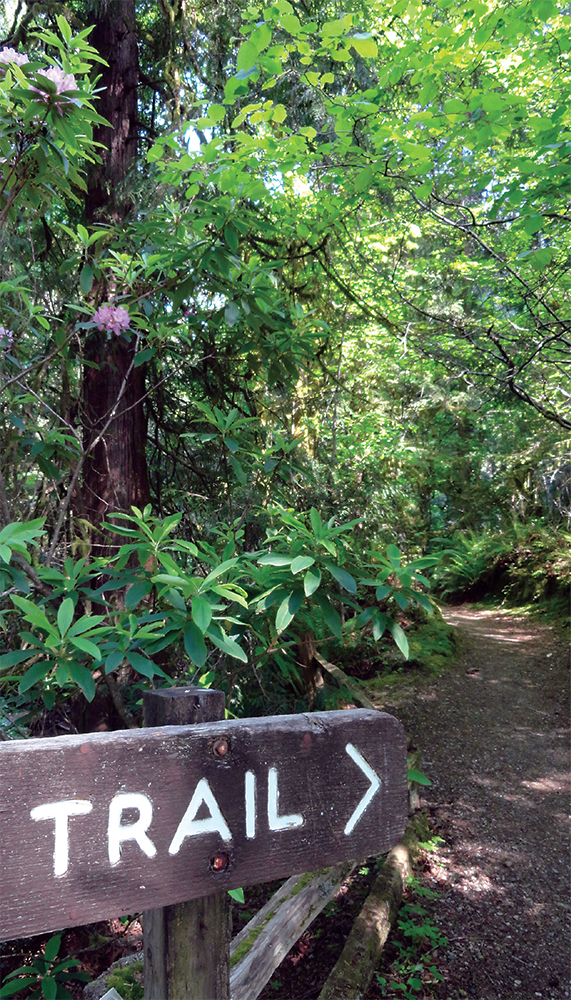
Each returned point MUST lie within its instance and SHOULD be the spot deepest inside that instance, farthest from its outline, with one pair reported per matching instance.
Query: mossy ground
(128, 981)
(433, 646)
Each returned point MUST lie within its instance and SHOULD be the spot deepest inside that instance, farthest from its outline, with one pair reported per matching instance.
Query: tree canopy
(285, 328)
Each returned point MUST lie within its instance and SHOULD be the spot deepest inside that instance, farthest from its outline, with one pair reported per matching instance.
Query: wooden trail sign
(114, 823)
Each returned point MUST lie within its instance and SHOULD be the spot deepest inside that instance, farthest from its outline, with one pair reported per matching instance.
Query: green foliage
(128, 981)
(523, 563)
(417, 777)
(237, 895)
(345, 280)
(45, 976)
(433, 643)
(46, 132)
(418, 938)
(178, 594)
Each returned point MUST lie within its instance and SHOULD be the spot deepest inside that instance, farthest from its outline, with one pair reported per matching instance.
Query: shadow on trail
(494, 732)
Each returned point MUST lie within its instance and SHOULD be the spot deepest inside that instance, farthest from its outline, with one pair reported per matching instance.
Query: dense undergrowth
(523, 565)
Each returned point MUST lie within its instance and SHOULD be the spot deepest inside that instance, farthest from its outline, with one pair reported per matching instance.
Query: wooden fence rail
(185, 809)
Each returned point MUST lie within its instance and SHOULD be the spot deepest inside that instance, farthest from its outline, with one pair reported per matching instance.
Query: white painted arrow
(370, 794)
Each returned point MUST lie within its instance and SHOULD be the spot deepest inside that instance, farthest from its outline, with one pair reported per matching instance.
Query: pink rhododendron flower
(8, 55)
(115, 319)
(63, 82)
(6, 338)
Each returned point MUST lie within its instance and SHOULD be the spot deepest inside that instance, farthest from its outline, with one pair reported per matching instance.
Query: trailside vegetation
(284, 337)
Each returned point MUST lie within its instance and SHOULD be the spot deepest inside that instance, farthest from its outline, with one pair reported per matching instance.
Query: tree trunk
(115, 38)
(115, 472)
(116, 468)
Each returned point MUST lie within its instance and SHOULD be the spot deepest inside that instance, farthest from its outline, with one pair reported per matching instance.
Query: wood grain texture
(317, 781)
(352, 973)
(345, 681)
(270, 934)
(187, 945)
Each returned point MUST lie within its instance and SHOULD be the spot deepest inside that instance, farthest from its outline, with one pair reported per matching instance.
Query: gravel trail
(494, 733)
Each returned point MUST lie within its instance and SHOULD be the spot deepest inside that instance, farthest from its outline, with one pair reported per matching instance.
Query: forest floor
(493, 731)
(494, 734)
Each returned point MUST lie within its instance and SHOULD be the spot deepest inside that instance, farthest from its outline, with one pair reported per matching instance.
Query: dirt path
(495, 739)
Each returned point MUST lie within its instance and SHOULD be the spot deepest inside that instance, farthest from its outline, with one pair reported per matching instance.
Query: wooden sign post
(187, 945)
(115, 823)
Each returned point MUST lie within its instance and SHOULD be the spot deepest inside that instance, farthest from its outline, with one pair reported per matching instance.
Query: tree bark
(115, 38)
(115, 472)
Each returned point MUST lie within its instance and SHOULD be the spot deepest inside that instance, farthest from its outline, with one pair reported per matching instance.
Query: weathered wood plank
(345, 681)
(187, 945)
(353, 971)
(112, 823)
(259, 948)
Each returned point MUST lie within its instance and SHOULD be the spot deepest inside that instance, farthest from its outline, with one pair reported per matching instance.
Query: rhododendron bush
(281, 303)
(47, 120)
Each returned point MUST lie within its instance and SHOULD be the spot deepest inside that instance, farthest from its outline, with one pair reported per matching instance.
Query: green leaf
(114, 660)
(141, 664)
(261, 37)
(275, 559)
(231, 593)
(311, 581)
(379, 625)
(424, 602)
(169, 579)
(227, 644)
(201, 612)
(194, 644)
(279, 114)
(343, 578)
(9, 989)
(237, 894)
(217, 112)
(364, 44)
(83, 678)
(393, 555)
(137, 593)
(300, 563)
(291, 23)
(363, 179)
(142, 356)
(85, 624)
(288, 608)
(49, 987)
(316, 523)
(232, 311)
(454, 107)
(418, 777)
(36, 673)
(20, 532)
(5, 553)
(65, 615)
(332, 619)
(399, 637)
(86, 646)
(65, 31)
(8, 660)
(541, 258)
(218, 571)
(240, 474)
(32, 613)
(86, 279)
(247, 56)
